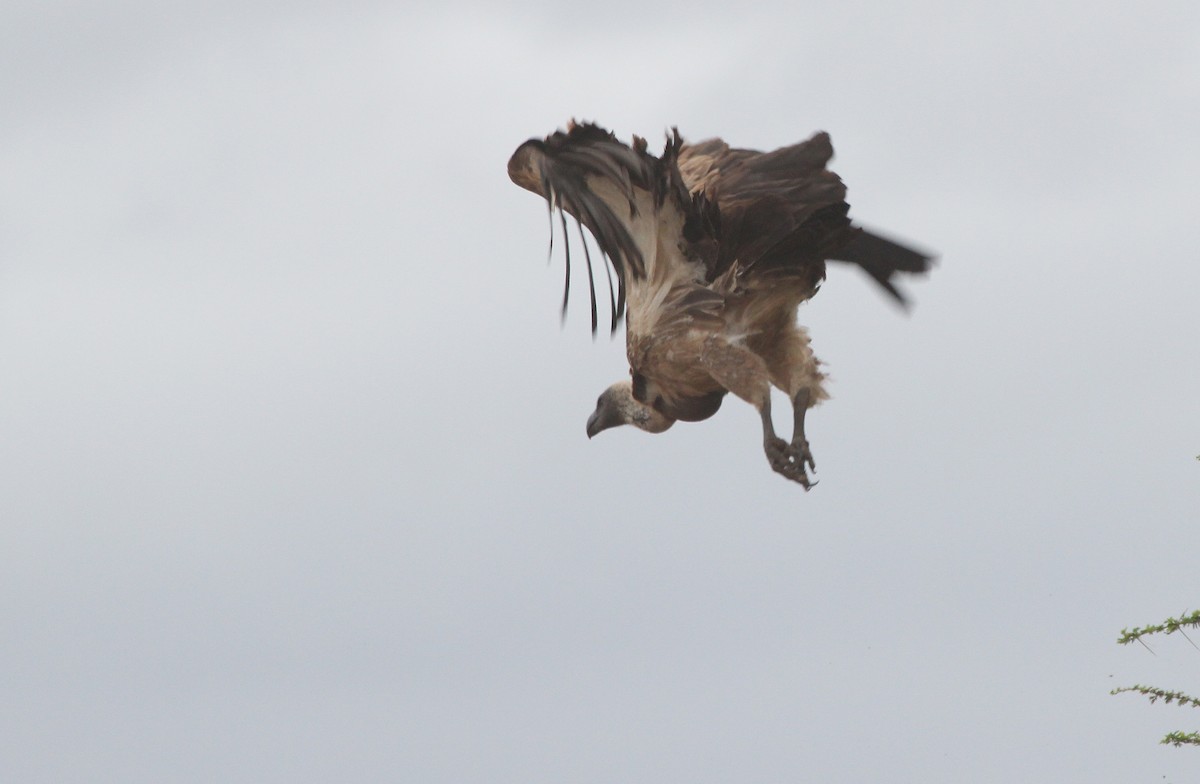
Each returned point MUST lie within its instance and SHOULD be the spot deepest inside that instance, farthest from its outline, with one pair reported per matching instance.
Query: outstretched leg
(744, 373)
(785, 458)
(795, 370)
(798, 450)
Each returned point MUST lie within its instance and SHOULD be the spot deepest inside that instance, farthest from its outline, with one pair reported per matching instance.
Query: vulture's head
(617, 406)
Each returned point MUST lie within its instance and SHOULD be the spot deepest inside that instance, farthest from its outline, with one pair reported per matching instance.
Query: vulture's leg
(780, 454)
(798, 450)
(744, 373)
(794, 369)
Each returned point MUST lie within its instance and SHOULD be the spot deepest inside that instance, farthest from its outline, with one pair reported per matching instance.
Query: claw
(801, 454)
(789, 460)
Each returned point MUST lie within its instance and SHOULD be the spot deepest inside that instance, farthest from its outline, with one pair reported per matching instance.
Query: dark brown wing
(610, 187)
(785, 211)
(557, 169)
(778, 210)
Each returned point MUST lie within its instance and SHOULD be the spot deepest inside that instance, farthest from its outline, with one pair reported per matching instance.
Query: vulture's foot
(799, 452)
(790, 460)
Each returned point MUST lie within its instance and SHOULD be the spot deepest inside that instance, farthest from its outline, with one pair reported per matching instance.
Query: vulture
(713, 247)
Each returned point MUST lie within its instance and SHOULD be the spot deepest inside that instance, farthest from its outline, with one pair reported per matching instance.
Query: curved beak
(601, 419)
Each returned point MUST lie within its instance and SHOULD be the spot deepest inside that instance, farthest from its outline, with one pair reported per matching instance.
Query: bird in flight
(714, 248)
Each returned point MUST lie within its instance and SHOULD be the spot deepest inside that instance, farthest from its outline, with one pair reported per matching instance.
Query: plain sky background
(294, 485)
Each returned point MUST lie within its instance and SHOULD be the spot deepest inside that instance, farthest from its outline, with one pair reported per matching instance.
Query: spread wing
(635, 205)
(784, 211)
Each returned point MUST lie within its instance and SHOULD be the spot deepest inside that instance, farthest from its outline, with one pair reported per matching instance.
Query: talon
(787, 460)
(799, 452)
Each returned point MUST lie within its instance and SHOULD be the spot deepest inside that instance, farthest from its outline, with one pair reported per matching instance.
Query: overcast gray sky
(295, 482)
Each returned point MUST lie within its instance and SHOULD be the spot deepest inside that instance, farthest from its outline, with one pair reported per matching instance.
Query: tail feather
(882, 258)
